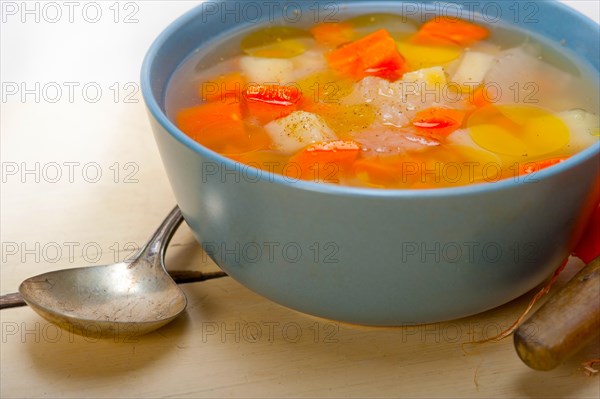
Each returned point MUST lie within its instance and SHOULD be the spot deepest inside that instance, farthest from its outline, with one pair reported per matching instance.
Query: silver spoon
(120, 300)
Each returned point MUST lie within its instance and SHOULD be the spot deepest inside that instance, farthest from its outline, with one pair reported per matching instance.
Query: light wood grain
(230, 342)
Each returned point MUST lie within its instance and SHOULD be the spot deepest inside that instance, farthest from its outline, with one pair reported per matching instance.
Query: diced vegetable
(372, 88)
(427, 78)
(332, 33)
(276, 42)
(583, 126)
(325, 87)
(307, 64)
(297, 130)
(268, 102)
(372, 55)
(398, 26)
(521, 131)
(461, 139)
(345, 119)
(531, 167)
(267, 70)
(439, 121)
(422, 89)
(325, 160)
(378, 171)
(518, 73)
(195, 119)
(419, 56)
(388, 140)
(480, 98)
(220, 127)
(472, 70)
(450, 29)
(395, 103)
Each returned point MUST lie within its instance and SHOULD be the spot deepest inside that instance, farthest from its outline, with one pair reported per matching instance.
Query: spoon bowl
(120, 300)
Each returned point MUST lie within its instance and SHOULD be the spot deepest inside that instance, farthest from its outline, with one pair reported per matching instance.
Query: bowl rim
(336, 189)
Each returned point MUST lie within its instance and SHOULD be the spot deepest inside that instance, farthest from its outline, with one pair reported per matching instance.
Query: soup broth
(382, 101)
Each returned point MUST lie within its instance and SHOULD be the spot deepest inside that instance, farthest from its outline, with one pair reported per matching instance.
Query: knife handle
(564, 324)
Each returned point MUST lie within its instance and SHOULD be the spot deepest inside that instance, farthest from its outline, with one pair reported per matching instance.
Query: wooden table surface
(82, 184)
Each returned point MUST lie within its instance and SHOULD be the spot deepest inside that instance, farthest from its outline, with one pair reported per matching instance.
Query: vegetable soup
(382, 101)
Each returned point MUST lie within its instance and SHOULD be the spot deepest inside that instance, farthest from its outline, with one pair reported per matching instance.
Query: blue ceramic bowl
(379, 257)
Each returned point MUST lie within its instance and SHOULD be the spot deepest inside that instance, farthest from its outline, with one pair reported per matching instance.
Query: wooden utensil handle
(563, 325)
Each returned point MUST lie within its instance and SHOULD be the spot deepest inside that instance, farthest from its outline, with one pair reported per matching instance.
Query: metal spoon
(120, 300)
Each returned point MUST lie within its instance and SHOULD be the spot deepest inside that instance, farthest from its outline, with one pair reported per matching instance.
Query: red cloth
(588, 248)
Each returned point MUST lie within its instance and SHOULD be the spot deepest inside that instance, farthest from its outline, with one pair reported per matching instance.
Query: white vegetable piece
(383, 96)
(472, 69)
(298, 130)
(267, 70)
(583, 127)
(308, 63)
(398, 102)
(462, 137)
(425, 79)
(422, 89)
(524, 78)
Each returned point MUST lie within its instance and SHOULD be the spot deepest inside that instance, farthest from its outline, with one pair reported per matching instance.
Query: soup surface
(379, 100)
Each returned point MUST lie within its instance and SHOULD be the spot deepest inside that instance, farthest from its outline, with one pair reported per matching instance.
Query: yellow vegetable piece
(283, 49)
(346, 119)
(518, 130)
(325, 87)
(276, 42)
(419, 57)
(397, 25)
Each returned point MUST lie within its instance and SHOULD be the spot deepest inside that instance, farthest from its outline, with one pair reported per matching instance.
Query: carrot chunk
(324, 161)
(332, 34)
(373, 55)
(378, 171)
(440, 121)
(212, 124)
(269, 102)
(458, 31)
(531, 167)
(479, 98)
(194, 120)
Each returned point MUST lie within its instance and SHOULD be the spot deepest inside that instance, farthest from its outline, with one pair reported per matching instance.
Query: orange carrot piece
(324, 160)
(382, 171)
(531, 167)
(332, 34)
(440, 121)
(225, 87)
(195, 119)
(269, 102)
(212, 124)
(450, 29)
(479, 98)
(373, 55)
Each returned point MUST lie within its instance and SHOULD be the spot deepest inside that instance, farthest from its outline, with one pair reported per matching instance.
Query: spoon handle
(564, 324)
(154, 250)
